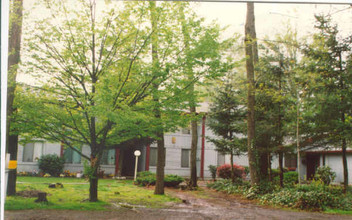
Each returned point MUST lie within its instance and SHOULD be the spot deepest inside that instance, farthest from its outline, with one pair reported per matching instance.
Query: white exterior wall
(173, 153)
(335, 162)
(173, 157)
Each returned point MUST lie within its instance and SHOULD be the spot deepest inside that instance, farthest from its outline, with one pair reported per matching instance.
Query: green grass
(75, 193)
(337, 211)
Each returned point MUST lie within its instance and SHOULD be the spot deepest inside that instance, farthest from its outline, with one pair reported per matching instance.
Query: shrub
(256, 191)
(51, 164)
(315, 196)
(212, 169)
(172, 180)
(325, 174)
(274, 173)
(147, 178)
(144, 174)
(290, 178)
(227, 186)
(224, 171)
(246, 169)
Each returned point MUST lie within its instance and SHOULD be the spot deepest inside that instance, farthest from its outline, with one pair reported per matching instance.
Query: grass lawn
(338, 211)
(75, 193)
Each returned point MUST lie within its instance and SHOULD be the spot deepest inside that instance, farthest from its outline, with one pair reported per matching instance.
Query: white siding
(335, 162)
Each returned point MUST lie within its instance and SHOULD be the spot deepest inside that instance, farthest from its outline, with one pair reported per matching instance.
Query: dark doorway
(129, 161)
(313, 161)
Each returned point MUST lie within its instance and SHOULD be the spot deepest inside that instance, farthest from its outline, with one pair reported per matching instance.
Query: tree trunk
(93, 178)
(193, 181)
(281, 169)
(279, 131)
(343, 120)
(270, 175)
(41, 197)
(298, 147)
(251, 54)
(160, 173)
(192, 99)
(263, 162)
(345, 167)
(93, 187)
(15, 33)
(159, 185)
(12, 175)
(232, 171)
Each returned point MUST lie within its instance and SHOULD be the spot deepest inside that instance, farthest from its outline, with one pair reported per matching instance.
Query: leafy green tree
(226, 120)
(109, 79)
(328, 60)
(201, 60)
(275, 99)
(96, 84)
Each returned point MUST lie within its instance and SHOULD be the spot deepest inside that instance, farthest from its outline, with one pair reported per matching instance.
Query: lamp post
(137, 153)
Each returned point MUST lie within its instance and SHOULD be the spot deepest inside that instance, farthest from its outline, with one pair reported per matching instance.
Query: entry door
(313, 161)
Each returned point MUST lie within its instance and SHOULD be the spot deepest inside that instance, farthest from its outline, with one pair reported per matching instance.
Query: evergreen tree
(327, 61)
(227, 121)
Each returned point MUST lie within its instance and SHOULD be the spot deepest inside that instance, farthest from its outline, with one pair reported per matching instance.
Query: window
(72, 156)
(291, 160)
(186, 130)
(32, 152)
(108, 157)
(221, 159)
(185, 157)
(153, 156)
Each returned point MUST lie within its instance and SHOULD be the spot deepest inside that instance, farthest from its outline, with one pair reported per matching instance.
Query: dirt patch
(29, 193)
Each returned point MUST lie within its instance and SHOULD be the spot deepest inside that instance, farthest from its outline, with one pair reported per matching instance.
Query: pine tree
(226, 120)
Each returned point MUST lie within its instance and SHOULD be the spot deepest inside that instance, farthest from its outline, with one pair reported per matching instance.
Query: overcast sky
(270, 18)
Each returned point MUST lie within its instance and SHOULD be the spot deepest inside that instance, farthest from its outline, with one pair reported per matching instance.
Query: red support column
(203, 149)
(117, 156)
(147, 158)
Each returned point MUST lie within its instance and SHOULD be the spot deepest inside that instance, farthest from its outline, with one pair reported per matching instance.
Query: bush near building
(224, 171)
(147, 178)
(51, 164)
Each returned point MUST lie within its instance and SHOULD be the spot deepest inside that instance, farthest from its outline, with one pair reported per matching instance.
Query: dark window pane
(185, 157)
(291, 160)
(221, 159)
(108, 157)
(72, 156)
(28, 150)
(153, 156)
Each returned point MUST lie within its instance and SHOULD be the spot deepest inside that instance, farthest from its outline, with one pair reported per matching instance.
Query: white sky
(270, 18)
